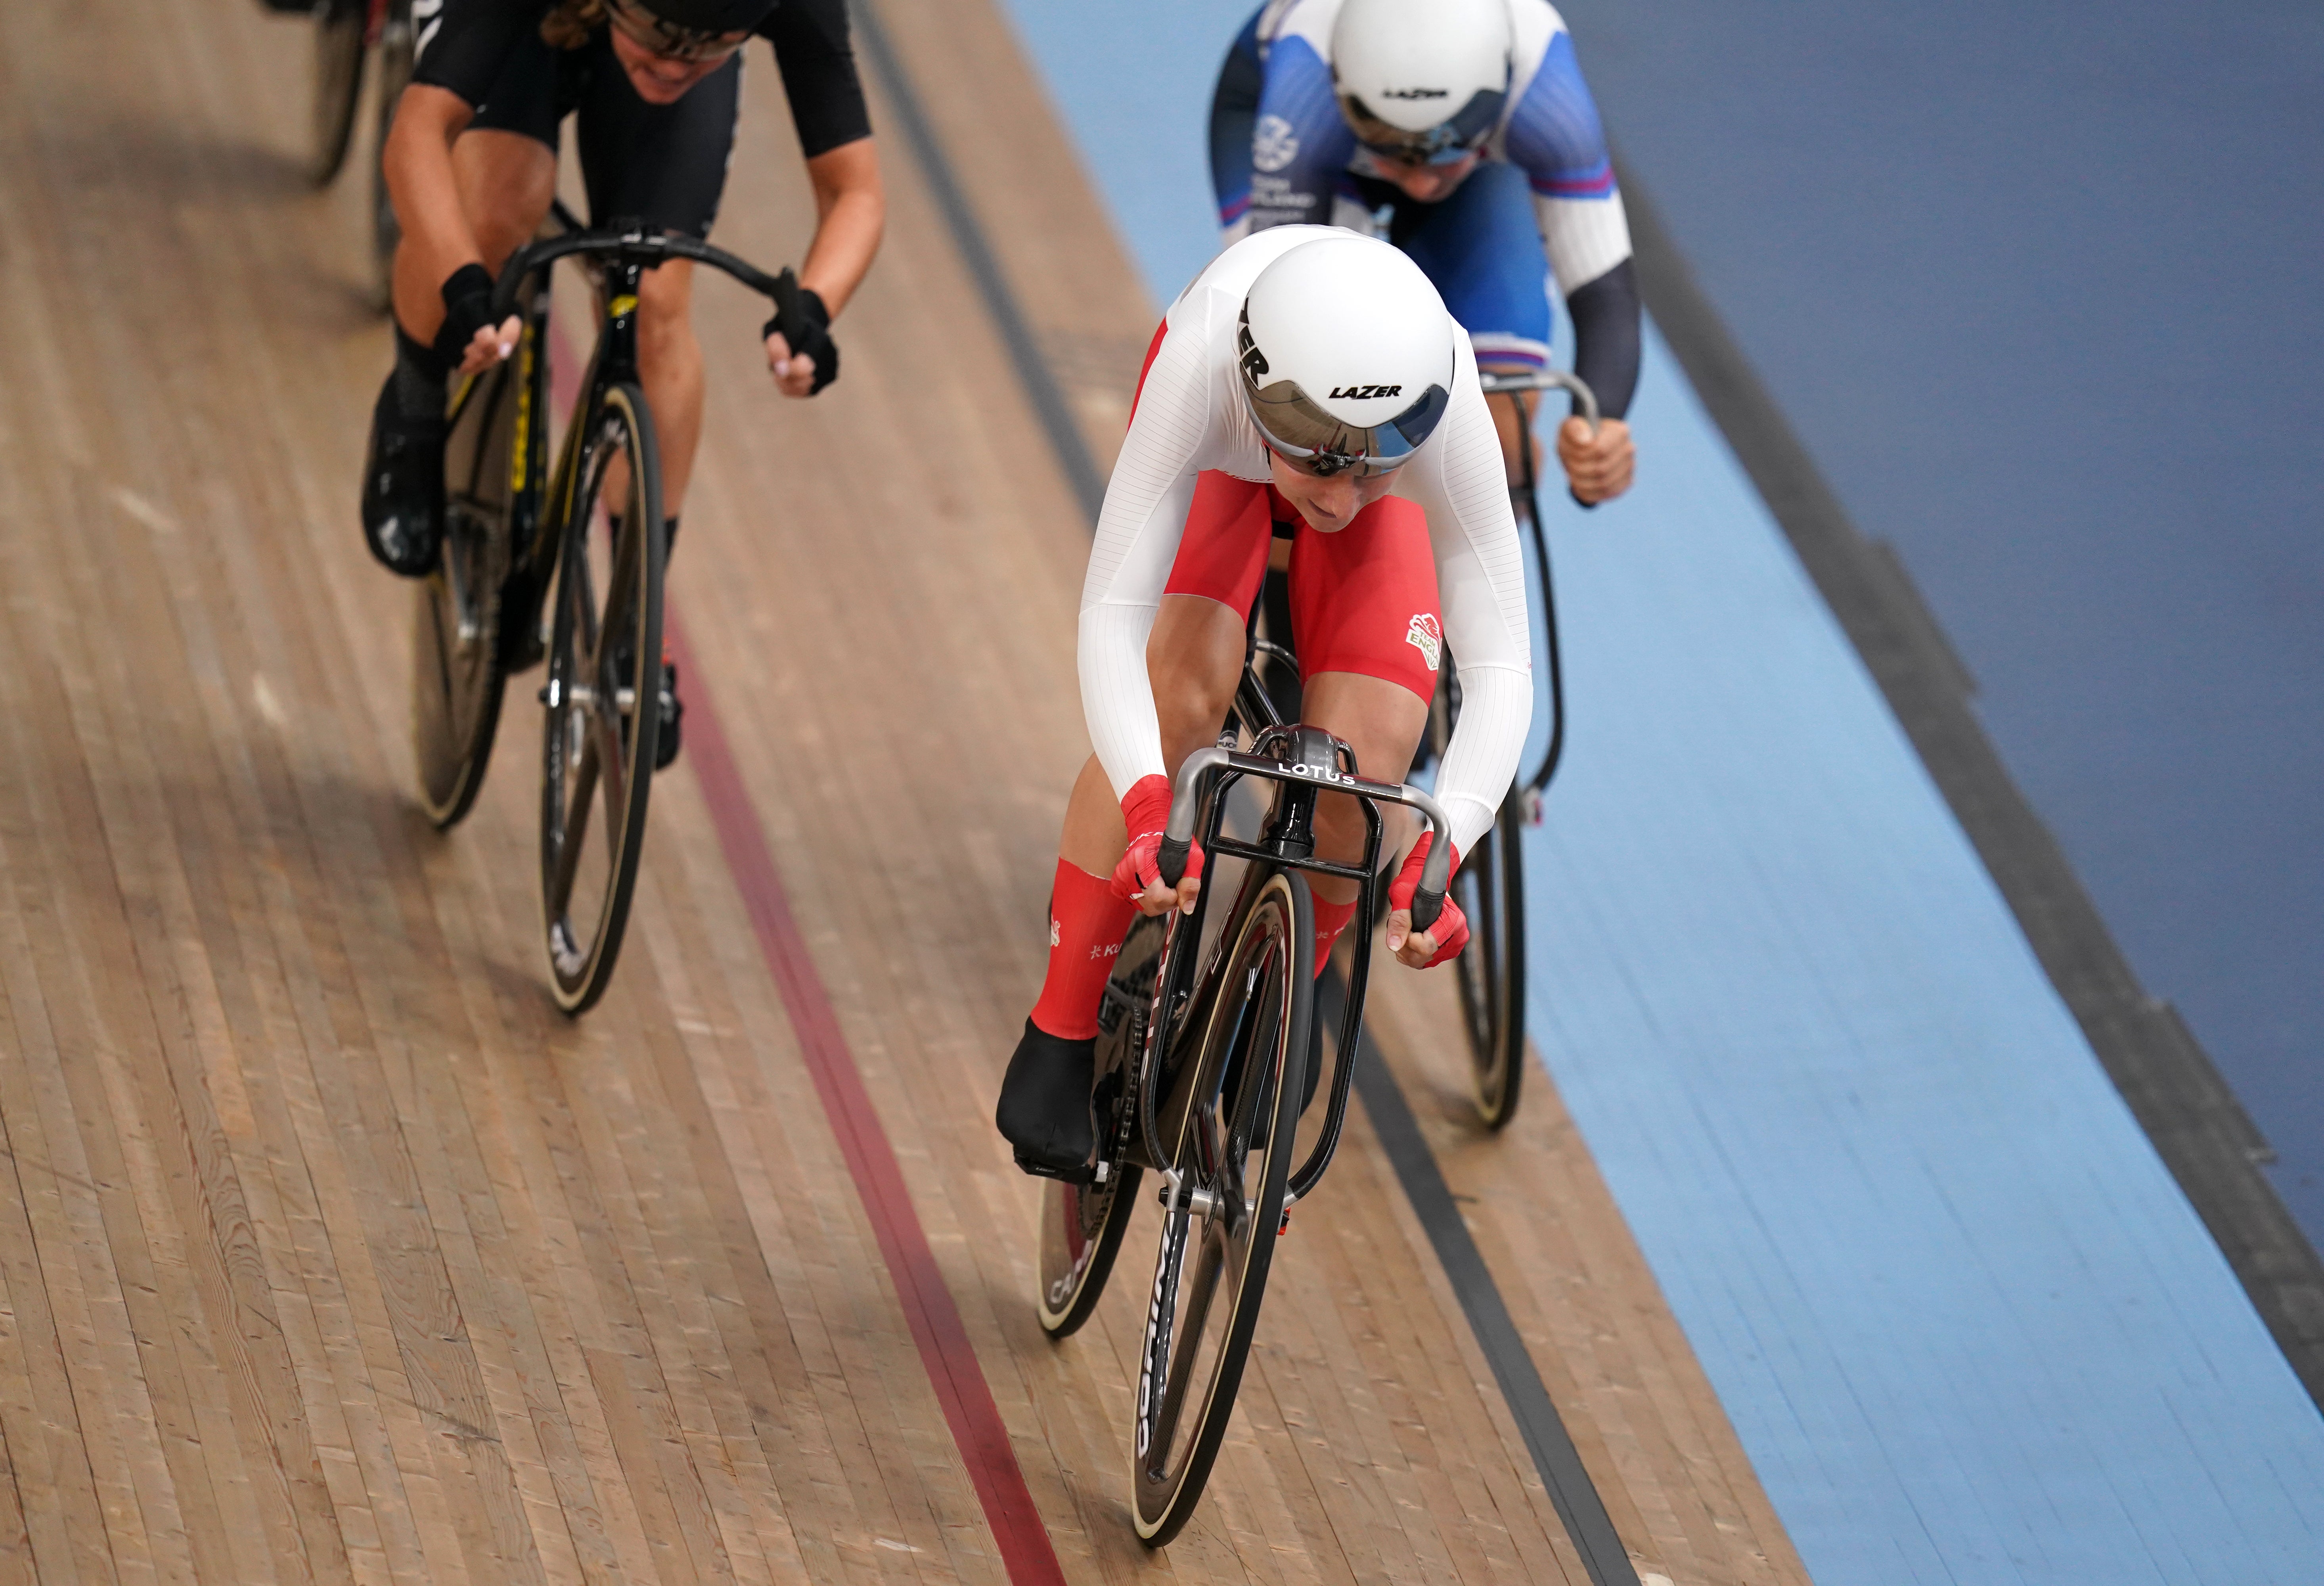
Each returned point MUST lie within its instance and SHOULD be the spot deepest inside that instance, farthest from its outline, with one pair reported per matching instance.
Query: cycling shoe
(1044, 1103)
(404, 487)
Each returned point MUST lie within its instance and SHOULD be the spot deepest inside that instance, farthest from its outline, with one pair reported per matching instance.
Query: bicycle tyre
(339, 28)
(1081, 1225)
(457, 676)
(1252, 1050)
(1490, 972)
(395, 60)
(1491, 890)
(598, 654)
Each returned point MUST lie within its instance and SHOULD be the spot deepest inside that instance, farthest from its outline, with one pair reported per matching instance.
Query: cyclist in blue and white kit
(1462, 131)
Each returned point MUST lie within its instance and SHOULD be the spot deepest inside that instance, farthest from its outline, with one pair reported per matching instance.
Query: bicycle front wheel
(1491, 890)
(339, 28)
(604, 680)
(1231, 1117)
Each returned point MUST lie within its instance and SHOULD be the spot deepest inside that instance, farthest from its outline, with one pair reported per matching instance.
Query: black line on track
(1033, 372)
(1555, 1456)
(1555, 1459)
(2201, 1130)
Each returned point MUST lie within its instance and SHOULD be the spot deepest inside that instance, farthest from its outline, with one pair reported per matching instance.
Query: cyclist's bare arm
(850, 213)
(438, 237)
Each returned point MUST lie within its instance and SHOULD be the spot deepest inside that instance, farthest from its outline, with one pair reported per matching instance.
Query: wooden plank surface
(330, 1250)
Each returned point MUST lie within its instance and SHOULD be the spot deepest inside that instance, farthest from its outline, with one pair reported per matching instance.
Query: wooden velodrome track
(330, 1250)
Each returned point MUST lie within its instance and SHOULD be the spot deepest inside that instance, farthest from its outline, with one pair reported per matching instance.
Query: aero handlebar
(646, 249)
(1187, 798)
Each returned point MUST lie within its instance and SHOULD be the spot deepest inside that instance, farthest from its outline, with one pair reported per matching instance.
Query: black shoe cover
(1044, 1103)
(404, 487)
(665, 737)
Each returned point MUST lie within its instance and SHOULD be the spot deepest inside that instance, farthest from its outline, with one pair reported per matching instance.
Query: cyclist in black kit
(471, 162)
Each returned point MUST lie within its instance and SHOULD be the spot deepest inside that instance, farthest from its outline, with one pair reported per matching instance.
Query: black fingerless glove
(813, 337)
(468, 308)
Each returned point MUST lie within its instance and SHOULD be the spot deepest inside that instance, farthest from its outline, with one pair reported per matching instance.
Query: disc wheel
(1081, 1225)
(1490, 889)
(456, 673)
(339, 28)
(604, 680)
(1230, 1118)
(394, 71)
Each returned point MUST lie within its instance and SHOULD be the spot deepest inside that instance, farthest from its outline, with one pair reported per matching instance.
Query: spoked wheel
(456, 675)
(394, 69)
(604, 680)
(1082, 1224)
(1490, 889)
(1230, 1117)
(339, 28)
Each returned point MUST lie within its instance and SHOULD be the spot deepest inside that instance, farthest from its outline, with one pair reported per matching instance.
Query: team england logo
(1426, 637)
(1273, 143)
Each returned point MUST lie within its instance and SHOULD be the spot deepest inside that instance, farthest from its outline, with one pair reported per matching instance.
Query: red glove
(1452, 927)
(1145, 811)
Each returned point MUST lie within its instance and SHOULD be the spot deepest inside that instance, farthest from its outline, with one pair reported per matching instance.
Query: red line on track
(946, 1352)
(944, 1349)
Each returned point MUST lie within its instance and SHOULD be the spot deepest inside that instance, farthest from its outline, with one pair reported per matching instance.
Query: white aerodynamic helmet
(1346, 354)
(1422, 79)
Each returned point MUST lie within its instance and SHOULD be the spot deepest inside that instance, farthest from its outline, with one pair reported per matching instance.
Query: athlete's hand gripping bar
(1186, 803)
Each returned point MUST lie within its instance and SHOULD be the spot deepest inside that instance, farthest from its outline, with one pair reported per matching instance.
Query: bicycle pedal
(1083, 1175)
(1283, 1227)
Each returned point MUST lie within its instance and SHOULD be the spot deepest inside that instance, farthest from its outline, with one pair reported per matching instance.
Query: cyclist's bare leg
(1382, 723)
(1512, 433)
(505, 182)
(669, 364)
(1194, 659)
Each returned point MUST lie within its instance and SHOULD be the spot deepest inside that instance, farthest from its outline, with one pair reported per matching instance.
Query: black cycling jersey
(466, 47)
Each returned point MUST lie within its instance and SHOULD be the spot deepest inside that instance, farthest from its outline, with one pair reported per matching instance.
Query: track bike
(348, 34)
(1490, 885)
(1206, 1058)
(587, 533)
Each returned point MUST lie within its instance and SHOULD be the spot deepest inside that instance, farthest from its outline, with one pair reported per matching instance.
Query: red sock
(1086, 922)
(1331, 919)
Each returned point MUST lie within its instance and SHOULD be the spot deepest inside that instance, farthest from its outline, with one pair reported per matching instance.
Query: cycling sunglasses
(668, 39)
(1448, 142)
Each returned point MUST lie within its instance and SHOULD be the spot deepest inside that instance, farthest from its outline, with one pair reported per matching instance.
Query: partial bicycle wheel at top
(341, 34)
(602, 693)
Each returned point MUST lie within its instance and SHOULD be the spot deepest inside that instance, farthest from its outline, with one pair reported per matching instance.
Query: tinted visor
(1324, 443)
(1441, 145)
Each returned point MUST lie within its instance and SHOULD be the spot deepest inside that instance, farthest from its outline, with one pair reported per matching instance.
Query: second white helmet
(1346, 354)
(1422, 79)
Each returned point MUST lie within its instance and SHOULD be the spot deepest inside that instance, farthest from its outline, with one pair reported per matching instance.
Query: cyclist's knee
(666, 315)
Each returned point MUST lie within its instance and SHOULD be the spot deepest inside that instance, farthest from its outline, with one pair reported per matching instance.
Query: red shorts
(1362, 600)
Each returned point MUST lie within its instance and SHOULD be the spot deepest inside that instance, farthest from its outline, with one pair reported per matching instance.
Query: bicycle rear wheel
(605, 680)
(1232, 1116)
(456, 675)
(1082, 1224)
(1490, 889)
(339, 28)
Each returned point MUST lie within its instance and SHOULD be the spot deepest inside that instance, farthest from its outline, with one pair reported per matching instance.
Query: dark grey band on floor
(1033, 372)
(1555, 1456)
(2199, 1128)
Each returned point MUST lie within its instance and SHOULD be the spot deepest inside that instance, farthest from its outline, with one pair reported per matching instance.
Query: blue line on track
(1965, 1323)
